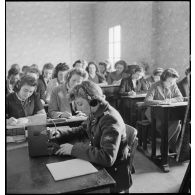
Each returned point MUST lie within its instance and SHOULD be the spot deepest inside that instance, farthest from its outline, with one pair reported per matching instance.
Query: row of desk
(25, 174)
(126, 105)
(32, 176)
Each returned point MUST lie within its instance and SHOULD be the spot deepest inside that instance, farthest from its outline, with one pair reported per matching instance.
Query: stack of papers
(70, 168)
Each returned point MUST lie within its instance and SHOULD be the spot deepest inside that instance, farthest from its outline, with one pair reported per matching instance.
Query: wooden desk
(111, 93)
(36, 120)
(128, 107)
(179, 110)
(30, 175)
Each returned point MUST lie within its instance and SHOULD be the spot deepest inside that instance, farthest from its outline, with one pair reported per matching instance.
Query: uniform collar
(101, 109)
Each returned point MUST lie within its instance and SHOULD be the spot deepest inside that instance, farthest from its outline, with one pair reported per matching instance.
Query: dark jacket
(127, 86)
(97, 79)
(108, 145)
(184, 87)
(41, 88)
(15, 109)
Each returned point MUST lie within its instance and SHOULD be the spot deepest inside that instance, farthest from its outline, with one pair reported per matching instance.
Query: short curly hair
(60, 67)
(169, 73)
(87, 90)
(123, 63)
(78, 71)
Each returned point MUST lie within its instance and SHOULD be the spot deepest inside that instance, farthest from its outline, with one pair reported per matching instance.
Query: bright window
(114, 43)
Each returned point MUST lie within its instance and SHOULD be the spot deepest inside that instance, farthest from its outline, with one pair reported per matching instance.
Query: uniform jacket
(59, 101)
(108, 145)
(184, 87)
(15, 109)
(127, 86)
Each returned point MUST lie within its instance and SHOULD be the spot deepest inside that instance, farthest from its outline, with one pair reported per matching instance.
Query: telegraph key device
(40, 142)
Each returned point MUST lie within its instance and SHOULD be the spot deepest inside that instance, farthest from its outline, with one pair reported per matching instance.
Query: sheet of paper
(70, 168)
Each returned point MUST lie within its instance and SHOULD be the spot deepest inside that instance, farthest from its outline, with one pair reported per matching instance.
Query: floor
(149, 178)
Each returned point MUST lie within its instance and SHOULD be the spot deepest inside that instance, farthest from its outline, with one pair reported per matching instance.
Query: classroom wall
(153, 32)
(40, 32)
(171, 34)
(135, 19)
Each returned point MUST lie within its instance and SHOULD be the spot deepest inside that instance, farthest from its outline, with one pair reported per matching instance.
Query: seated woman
(154, 78)
(114, 78)
(184, 84)
(12, 78)
(59, 105)
(77, 64)
(133, 84)
(94, 75)
(44, 79)
(24, 101)
(166, 91)
(103, 70)
(105, 131)
(59, 78)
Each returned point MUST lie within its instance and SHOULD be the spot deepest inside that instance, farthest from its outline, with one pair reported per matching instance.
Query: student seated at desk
(59, 105)
(34, 72)
(12, 78)
(165, 91)
(94, 75)
(105, 130)
(184, 84)
(154, 78)
(59, 78)
(24, 101)
(45, 78)
(133, 84)
(120, 73)
(103, 70)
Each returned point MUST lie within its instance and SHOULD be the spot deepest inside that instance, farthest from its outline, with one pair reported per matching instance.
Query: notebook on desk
(70, 168)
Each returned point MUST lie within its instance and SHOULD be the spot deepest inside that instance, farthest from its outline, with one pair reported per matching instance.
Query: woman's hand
(132, 93)
(12, 121)
(79, 113)
(65, 115)
(65, 149)
(57, 133)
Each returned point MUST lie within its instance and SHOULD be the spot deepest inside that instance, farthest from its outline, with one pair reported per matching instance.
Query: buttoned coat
(107, 146)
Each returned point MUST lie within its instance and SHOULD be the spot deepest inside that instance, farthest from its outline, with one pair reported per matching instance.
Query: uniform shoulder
(10, 96)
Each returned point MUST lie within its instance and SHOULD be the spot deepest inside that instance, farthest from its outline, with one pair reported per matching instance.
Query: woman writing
(59, 105)
(166, 91)
(59, 78)
(24, 101)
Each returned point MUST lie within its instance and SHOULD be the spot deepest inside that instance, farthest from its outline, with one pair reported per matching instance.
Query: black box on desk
(39, 143)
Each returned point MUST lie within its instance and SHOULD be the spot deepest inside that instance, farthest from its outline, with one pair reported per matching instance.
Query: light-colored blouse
(59, 101)
(158, 92)
(51, 85)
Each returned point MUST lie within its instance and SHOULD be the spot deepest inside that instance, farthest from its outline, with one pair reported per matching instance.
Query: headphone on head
(18, 86)
(92, 100)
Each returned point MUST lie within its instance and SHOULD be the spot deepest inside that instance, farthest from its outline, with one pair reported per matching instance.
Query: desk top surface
(178, 104)
(30, 175)
(40, 120)
(143, 95)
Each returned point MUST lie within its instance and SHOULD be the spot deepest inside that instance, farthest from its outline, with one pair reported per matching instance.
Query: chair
(142, 125)
(132, 141)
